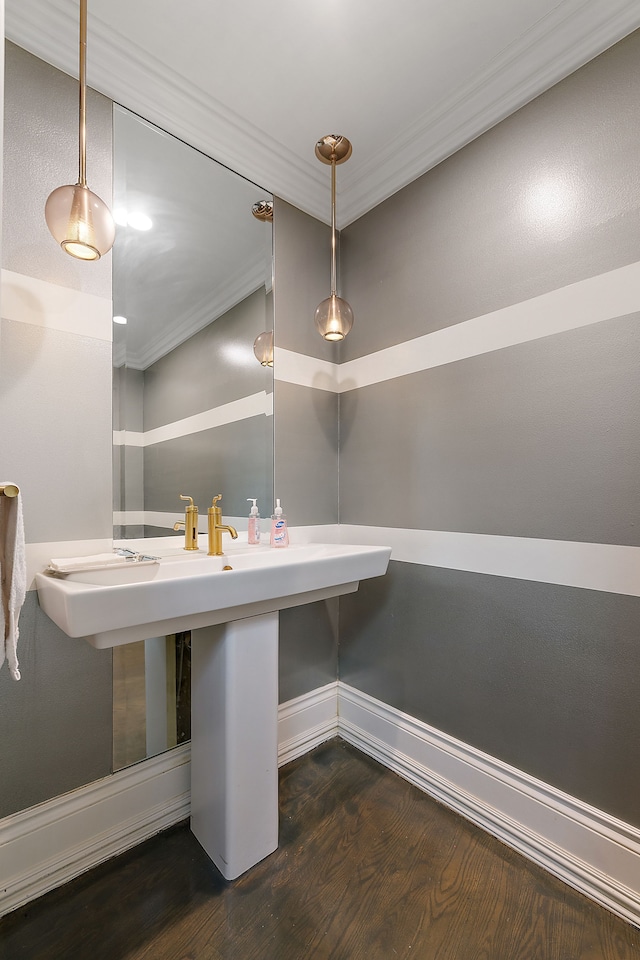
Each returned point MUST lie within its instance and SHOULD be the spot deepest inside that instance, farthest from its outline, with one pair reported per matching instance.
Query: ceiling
(255, 84)
(203, 253)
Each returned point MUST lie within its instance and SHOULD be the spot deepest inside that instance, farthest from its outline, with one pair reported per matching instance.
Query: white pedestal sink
(233, 616)
(234, 741)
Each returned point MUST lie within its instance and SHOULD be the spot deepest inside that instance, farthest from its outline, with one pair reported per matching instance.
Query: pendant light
(334, 316)
(263, 210)
(263, 344)
(78, 219)
(263, 348)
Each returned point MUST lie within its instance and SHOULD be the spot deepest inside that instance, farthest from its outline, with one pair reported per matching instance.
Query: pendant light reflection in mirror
(263, 344)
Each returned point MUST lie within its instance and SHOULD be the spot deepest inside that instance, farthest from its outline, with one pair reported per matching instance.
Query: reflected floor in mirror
(368, 868)
(129, 722)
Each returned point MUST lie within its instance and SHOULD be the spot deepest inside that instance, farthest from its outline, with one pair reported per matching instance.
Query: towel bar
(9, 490)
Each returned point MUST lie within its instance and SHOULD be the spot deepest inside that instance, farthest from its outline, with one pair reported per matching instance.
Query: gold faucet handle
(216, 499)
(190, 499)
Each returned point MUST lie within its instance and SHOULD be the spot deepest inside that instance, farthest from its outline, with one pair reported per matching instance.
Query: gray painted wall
(540, 675)
(306, 438)
(203, 372)
(306, 419)
(56, 442)
(234, 459)
(56, 721)
(545, 198)
(538, 440)
(41, 153)
(55, 439)
(128, 460)
(535, 440)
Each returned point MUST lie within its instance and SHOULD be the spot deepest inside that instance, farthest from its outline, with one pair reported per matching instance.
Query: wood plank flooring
(368, 868)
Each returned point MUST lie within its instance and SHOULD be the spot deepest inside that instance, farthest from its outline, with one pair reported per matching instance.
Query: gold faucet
(216, 528)
(190, 524)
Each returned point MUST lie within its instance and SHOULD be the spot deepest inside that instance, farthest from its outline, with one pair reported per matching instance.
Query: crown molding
(237, 288)
(575, 32)
(555, 47)
(129, 75)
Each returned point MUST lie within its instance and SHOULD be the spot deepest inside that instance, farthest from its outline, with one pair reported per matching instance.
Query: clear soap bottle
(279, 530)
(253, 527)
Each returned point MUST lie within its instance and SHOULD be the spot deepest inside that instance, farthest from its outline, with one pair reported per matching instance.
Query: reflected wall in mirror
(151, 697)
(192, 406)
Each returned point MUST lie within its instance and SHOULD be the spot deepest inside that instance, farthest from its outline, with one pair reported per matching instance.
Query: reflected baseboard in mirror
(151, 697)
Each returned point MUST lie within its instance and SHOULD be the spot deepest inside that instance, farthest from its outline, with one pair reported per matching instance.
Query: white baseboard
(55, 841)
(307, 721)
(591, 851)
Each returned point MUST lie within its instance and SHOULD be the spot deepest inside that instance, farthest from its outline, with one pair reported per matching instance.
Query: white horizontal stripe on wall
(604, 297)
(305, 371)
(158, 518)
(258, 404)
(591, 566)
(135, 517)
(49, 305)
(318, 533)
(609, 295)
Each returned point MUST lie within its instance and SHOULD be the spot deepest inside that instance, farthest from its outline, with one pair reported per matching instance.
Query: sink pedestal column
(234, 741)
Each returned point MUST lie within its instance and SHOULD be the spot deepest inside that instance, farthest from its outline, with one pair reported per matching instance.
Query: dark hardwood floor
(368, 868)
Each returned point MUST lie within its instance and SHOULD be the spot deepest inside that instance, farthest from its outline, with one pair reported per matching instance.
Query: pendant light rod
(82, 124)
(78, 219)
(333, 228)
(334, 316)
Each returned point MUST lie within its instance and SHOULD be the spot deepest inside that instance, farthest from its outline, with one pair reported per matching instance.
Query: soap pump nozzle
(278, 509)
(254, 508)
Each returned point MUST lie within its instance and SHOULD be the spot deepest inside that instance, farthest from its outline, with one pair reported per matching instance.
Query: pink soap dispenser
(253, 527)
(279, 531)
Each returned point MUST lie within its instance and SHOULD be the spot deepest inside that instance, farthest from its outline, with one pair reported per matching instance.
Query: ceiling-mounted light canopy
(334, 316)
(263, 210)
(77, 218)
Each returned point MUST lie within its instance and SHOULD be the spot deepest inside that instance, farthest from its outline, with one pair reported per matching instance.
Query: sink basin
(112, 574)
(183, 591)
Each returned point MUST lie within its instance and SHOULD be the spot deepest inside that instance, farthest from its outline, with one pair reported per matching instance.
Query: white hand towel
(72, 564)
(13, 576)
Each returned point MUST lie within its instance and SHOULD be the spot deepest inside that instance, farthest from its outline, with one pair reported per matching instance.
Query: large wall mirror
(192, 406)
